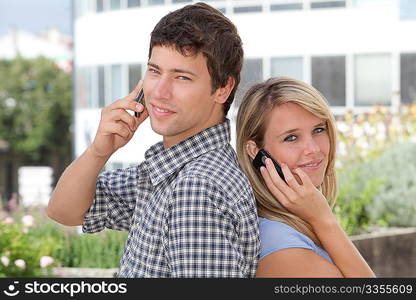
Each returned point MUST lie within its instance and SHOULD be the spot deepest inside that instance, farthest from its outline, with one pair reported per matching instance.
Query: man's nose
(162, 89)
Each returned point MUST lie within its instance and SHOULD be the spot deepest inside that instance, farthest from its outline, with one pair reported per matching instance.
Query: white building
(52, 44)
(356, 52)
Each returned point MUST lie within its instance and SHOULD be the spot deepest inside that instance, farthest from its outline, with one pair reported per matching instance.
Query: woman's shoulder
(275, 236)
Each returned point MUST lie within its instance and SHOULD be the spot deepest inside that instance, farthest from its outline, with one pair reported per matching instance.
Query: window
(115, 4)
(101, 86)
(181, 1)
(407, 10)
(116, 89)
(408, 77)
(252, 73)
(133, 3)
(287, 66)
(328, 77)
(156, 2)
(327, 4)
(82, 87)
(373, 83)
(247, 9)
(135, 74)
(100, 6)
(286, 6)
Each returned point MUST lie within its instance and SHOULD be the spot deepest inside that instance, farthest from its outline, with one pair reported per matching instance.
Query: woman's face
(298, 138)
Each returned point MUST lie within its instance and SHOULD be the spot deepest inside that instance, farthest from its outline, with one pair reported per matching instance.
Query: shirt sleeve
(114, 201)
(207, 233)
(276, 236)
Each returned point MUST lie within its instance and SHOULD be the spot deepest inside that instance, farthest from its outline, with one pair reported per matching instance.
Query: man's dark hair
(201, 28)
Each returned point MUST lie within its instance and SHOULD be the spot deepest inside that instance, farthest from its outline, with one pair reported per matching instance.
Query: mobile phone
(140, 99)
(260, 160)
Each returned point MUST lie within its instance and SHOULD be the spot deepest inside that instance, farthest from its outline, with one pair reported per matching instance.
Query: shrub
(395, 202)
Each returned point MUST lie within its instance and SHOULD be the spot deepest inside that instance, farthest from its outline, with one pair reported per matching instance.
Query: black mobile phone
(260, 160)
(140, 99)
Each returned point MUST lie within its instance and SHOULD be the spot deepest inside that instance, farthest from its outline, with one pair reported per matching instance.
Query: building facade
(358, 53)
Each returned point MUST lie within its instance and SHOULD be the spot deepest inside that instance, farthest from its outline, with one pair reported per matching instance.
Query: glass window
(92, 87)
(82, 87)
(156, 2)
(116, 86)
(328, 77)
(287, 66)
(133, 3)
(101, 86)
(373, 83)
(247, 9)
(115, 4)
(251, 73)
(100, 5)
(181, 1)
(286, 6)
(135, 74)
(407, 10)
(327, 4)
(408, 77)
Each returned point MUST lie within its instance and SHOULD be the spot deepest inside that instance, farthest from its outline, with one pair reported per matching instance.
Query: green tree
(35, 111)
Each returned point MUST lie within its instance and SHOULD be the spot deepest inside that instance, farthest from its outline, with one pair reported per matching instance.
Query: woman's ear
(252, 149)
(225, 91)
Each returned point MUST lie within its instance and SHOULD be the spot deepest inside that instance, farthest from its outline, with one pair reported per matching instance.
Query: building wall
(356, 55)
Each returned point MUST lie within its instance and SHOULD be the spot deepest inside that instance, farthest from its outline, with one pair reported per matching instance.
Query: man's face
(179, 95)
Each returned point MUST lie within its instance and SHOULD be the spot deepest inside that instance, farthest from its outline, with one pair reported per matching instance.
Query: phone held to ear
(139, 99)
(260, 160)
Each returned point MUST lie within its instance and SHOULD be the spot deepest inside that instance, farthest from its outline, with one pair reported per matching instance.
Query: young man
(188, 207)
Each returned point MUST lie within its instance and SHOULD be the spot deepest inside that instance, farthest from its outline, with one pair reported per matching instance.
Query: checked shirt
(189, 210)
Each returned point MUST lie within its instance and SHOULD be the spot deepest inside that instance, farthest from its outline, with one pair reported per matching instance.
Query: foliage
(354, 196)
(35, 108)
(376, 169)
(100, 250)
(22, 244)
(65, 245)
(395, 202)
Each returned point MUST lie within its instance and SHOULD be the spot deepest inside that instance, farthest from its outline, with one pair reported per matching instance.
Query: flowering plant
(22, 253)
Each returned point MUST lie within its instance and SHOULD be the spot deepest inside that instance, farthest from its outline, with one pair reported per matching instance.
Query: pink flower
(8, 220)
(27, 220)
(20, 263)
(5, 260)
(45, 261)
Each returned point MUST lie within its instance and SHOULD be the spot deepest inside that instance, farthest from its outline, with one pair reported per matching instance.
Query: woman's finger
(273, 189)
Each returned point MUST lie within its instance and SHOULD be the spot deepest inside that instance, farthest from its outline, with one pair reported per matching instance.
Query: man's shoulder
(220, 168)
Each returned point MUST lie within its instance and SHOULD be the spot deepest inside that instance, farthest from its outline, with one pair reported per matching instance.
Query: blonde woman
(300, 236)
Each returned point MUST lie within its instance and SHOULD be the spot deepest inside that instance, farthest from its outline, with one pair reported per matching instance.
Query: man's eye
(184, 78)
(153, 71)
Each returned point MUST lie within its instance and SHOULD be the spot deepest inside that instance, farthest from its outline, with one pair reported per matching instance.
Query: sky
(35, 15)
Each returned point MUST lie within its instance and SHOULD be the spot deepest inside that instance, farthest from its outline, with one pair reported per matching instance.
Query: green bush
(99, 250)
(395, 201)
(21, 251)
(46, 239)
(354, 196)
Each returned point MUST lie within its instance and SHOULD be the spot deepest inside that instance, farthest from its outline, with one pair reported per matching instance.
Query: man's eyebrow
(150, 64)
(323, 123)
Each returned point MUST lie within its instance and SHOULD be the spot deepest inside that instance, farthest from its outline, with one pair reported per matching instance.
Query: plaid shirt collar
(162, 163)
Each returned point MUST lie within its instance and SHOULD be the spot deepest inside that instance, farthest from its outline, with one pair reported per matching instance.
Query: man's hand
(117, 126)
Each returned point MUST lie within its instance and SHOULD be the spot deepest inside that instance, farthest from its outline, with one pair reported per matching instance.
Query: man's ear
(252, 149)
(225, 91)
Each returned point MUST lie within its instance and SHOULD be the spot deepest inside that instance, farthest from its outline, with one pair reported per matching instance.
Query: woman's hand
(301, 198)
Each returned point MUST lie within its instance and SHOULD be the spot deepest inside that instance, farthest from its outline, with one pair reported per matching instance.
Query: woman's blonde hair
(252, 117)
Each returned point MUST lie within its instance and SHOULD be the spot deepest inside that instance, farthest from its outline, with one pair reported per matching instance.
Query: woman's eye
(319, 129)
(290, 138)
